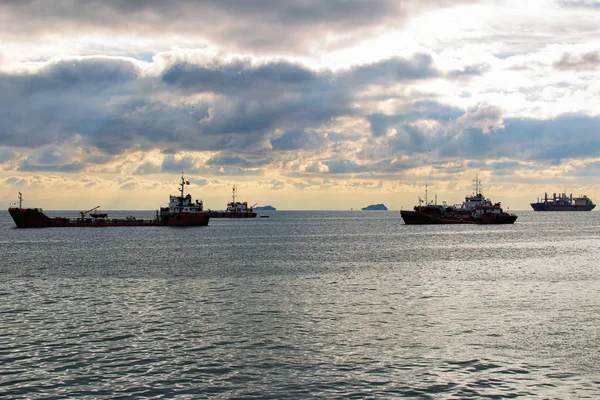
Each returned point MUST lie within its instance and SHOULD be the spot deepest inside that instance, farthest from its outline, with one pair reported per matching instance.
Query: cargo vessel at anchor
(235, 209)
(181, 211)
(476, 209)
(562, 202)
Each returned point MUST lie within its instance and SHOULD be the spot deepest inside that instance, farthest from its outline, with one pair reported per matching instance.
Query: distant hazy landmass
(264, 208)
(375, 207)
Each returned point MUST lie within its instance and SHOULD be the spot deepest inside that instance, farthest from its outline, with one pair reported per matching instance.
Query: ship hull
(33, 218)
(185, 219)
(228, 214)
(418, 218)
(552, 207)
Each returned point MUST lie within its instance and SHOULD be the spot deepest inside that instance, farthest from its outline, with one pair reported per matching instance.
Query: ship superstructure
(235, 209)
(562, 202)
(182, 210)
(476, 209)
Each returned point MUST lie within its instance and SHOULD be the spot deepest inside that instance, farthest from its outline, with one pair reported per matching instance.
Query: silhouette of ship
(562, 202)
(182, 211)
(476, 209)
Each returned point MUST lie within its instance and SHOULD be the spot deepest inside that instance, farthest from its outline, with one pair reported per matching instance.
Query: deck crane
(82, 213)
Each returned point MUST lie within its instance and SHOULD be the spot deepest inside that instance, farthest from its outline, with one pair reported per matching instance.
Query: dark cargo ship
(562, 202)
(180, 212)
(476, 209)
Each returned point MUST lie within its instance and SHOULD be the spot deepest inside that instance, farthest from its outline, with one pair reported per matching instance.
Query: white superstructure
(236, 206)
(183, 204)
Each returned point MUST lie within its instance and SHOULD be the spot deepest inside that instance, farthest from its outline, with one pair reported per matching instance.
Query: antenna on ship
(181, 190)
(477, 185)
(426, 203)
(233, 194)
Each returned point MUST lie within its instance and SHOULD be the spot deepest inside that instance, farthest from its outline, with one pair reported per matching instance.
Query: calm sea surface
(303, 305)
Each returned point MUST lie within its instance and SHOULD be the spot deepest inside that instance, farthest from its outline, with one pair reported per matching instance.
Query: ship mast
(477, 185)
(181, 190)
(233, 194)
(20, 200)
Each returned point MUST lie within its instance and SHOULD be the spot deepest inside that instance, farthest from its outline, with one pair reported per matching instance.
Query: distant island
(264, 208)
(375, 207)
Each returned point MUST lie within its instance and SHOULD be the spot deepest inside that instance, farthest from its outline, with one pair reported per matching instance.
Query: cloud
(228, 159)
(592, 4)
(589, 61)
(393, 70)
(25, 166)
(343, 167)
(187, 164)
(6, 155)
(469, 71)
(296, 140)
(171, 164)
(382, 123)
(146, 169)
(262, 25)
(295, 100)
(109, 105)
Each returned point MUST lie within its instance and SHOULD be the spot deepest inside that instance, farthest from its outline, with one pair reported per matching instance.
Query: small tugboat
(235, 209)
(562, 202)
(180, 212)
(476, 209)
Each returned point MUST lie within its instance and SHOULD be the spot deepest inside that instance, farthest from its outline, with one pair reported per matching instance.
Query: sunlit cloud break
(286, 97)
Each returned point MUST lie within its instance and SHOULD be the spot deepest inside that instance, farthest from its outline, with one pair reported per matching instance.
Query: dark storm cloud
(579, 62)
(259, 24)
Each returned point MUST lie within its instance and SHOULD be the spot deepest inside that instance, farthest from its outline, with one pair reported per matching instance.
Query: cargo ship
(562, 202)
(181, 211)
(476, 209)
(235, 209)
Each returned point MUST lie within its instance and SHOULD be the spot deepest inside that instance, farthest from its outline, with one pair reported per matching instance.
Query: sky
(303, 105)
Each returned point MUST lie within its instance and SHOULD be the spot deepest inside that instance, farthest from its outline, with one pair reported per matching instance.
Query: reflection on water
(303, 305)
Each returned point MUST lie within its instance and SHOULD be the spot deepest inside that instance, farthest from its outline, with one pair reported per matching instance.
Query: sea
(302, 305)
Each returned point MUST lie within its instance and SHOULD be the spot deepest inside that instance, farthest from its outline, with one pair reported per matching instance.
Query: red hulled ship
(476, 209)
(182, 211)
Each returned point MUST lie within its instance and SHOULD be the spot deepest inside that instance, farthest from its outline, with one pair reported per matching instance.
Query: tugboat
(476, 209)
(180, 212)
(235, 209)
(562, 202)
